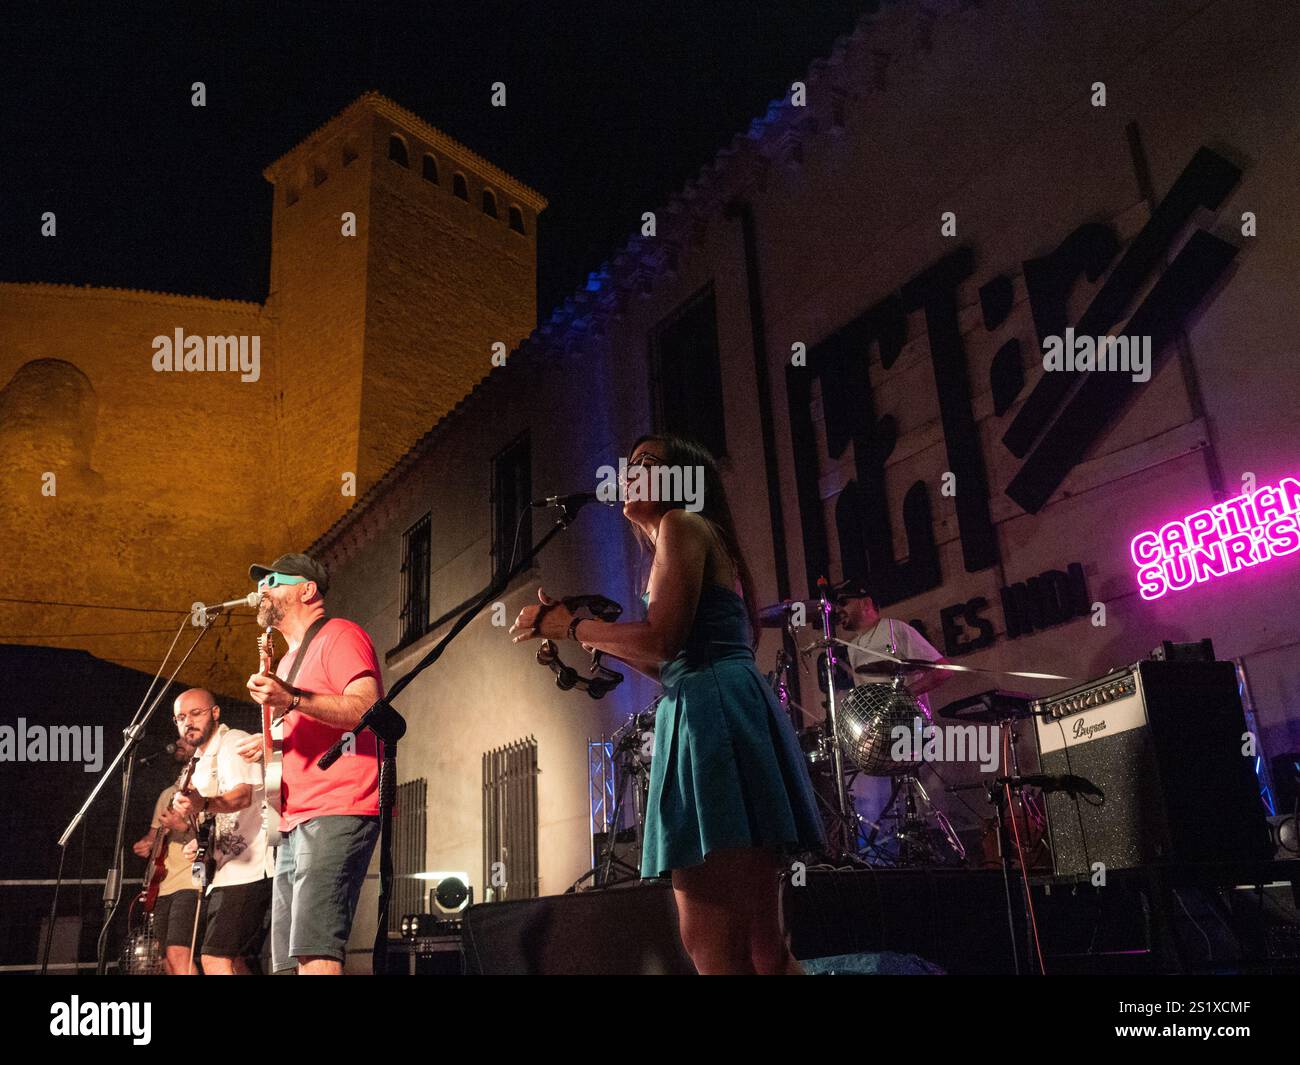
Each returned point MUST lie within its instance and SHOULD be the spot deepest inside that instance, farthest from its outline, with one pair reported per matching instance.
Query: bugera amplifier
(1166, 744)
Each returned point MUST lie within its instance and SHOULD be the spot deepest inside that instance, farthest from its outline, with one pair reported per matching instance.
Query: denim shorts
(319, 871)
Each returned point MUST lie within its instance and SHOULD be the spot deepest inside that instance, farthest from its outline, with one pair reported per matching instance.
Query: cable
(519, 527)
(1024, 869)
(83, 635)
(90, 606)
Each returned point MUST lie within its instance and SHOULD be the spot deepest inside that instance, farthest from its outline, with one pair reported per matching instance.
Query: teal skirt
(727, 769)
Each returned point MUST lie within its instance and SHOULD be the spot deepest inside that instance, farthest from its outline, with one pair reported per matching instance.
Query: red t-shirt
(338, 654)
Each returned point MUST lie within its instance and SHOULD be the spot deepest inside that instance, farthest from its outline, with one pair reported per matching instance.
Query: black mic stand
(389, 726)
(131, 735)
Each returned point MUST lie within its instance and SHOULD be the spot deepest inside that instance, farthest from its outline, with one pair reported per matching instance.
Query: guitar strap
(301, 656)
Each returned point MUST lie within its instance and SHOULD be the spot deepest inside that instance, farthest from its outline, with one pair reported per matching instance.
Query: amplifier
(1164, 742)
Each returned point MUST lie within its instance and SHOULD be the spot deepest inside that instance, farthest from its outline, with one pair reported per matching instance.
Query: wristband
(573, 628)
(297, 698)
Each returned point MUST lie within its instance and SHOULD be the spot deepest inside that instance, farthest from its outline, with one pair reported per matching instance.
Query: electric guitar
(272, 750)
(156, 867)
(205, 859)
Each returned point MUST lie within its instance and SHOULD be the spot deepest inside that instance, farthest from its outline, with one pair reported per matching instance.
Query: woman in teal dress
(729, 792)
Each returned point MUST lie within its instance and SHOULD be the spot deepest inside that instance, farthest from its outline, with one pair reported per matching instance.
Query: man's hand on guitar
(270, 691)
(250, 750)
(188, 803)
(191, 849)
(173, 821)
(143, 847)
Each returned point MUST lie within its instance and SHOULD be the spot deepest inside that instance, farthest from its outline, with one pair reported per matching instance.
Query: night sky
(611, 108)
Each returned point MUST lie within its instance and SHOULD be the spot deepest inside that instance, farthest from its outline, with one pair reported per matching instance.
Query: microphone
(169, 749)
(1067, 782)
(251, 599)
(199, 611)
(576, 499)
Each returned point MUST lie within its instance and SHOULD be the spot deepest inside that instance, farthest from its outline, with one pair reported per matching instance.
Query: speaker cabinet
(1164, 742)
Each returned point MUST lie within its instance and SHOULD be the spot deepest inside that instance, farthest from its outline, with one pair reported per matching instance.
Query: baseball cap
(852, 588)
(295, 565)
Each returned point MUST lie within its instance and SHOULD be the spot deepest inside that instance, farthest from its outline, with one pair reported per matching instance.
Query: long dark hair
(682, 452)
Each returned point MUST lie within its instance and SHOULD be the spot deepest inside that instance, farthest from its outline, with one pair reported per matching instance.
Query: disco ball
(868, 717)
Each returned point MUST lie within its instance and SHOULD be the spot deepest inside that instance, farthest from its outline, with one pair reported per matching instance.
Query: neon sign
(1218, 540)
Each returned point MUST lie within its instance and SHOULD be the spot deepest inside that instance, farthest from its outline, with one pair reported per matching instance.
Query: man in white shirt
(866, 628)
(228, 788)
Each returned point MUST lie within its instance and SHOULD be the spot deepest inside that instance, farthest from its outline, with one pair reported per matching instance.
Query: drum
(637, 734)
(872, 719)
(816, 747)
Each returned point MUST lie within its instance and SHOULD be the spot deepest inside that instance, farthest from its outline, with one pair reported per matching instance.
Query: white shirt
(239, 839)
(909, 644)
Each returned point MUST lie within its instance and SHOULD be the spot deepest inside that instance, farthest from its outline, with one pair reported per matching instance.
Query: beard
(269, 612)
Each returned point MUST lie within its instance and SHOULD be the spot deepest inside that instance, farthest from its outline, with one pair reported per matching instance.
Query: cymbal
(885, 668)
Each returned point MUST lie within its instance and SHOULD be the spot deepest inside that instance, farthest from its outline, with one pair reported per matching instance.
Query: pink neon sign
(1218, 540)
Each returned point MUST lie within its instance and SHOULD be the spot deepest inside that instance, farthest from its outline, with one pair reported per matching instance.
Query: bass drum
(872, 717)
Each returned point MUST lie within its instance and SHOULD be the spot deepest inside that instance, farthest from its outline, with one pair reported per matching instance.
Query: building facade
(850, 304)
(154, 444)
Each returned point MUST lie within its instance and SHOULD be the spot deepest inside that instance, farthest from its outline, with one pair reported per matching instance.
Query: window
(429, 169)
(397, 151)
(414, 620)
(688, 371)
(318, 176)
(512, 488)
(489, 203)
(458, 187)
(516, 219)
(349, 154)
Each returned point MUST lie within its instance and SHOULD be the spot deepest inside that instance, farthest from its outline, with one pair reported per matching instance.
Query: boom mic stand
(389, 726)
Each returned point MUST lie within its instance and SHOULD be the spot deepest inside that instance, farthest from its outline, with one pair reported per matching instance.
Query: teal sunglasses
(273, 580)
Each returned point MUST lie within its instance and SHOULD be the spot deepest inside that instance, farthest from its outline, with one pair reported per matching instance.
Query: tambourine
(603, 680)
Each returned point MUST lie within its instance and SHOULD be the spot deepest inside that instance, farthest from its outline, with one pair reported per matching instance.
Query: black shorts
(237, 919)
(173, 918)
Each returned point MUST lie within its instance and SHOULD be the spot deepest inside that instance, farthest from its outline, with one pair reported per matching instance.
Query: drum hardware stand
(626, 771)
(912, 829)
(832, 704)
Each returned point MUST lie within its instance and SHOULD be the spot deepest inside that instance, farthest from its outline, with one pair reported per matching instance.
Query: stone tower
(386, 322)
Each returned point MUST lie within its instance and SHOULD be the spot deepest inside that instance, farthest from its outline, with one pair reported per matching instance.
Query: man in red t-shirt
(329, 818)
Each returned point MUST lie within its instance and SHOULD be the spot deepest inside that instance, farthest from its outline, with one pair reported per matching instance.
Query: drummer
(865, 627)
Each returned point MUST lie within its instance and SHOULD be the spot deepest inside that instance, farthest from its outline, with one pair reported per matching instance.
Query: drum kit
(856, 737)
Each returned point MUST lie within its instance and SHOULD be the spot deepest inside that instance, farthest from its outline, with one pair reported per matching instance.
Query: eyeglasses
(194, 715)
(272, 580)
